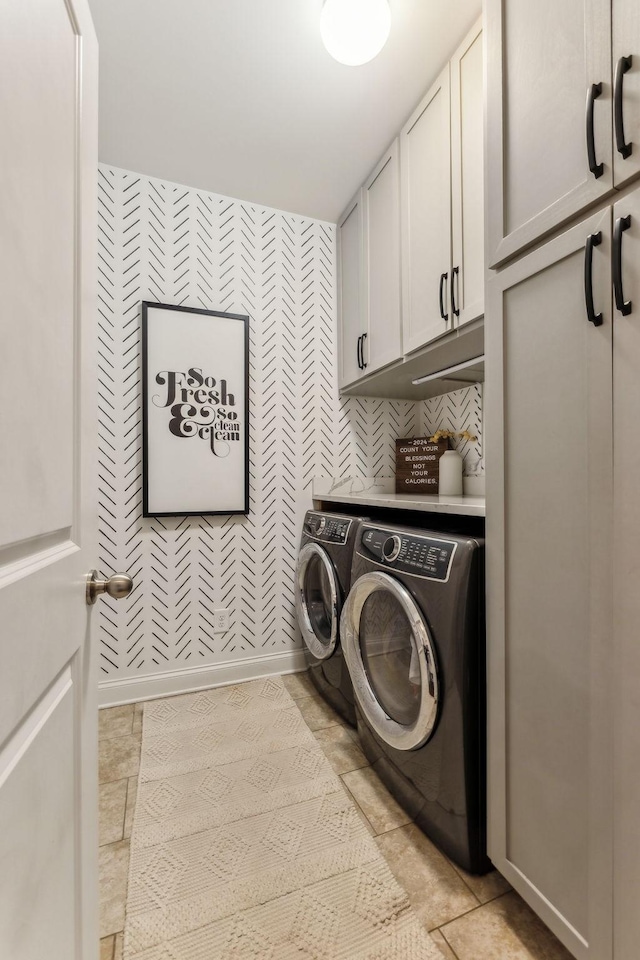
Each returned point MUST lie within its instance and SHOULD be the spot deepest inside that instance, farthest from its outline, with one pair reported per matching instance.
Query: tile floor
(470, 918)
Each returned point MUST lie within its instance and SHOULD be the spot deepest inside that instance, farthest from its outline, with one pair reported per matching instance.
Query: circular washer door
(317, 601)
(391, 659)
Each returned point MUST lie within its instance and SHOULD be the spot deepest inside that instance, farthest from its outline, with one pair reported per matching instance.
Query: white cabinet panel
(383, 342)
(626, 367)
(426, 218)
(350, 291)
(543, 57)
(549, 449)
(467, 179)
(626, 76)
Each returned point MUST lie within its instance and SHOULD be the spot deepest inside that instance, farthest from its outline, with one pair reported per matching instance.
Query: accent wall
(172, 244)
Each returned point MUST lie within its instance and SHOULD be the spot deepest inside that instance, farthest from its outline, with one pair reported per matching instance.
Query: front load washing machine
(323, 577)
(413, 637)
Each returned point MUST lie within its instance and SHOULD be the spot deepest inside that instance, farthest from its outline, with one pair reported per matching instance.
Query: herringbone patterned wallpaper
(163, 242)
(458, 411)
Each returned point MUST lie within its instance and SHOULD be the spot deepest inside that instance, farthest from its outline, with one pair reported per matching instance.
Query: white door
(543, 59)
(467, 180)
(425, 155)
(549, 617)
(626, 85)
(48, 713)
(350, 293)
(381, 194)
(626, 559)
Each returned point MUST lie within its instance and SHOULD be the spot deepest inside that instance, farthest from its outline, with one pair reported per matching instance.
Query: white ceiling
(239, 97)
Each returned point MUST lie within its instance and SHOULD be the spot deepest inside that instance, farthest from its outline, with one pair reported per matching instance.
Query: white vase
(450, 474)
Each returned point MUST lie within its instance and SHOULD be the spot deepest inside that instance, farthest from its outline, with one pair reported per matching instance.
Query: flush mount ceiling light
(355, 31)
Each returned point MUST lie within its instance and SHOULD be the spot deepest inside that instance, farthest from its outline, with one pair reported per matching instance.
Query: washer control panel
(427, 557)
(325, 527)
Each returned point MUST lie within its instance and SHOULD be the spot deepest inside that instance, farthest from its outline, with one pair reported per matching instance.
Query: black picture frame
(149, 497)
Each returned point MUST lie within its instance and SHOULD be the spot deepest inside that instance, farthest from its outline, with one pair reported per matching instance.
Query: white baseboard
(112, 693)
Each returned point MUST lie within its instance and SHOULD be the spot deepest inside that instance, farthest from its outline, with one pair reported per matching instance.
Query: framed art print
(195, 405)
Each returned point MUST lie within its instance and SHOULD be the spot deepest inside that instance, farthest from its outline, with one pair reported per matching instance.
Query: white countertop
(347, 492)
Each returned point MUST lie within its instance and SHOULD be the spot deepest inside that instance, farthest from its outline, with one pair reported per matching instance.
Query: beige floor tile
(438, 894)
(115, 721)
(379, 807)
(442, 945)
(317, 713)
(106, 948)
(119, 947)
(299, 685)
(137, 719)
(132, 793)
(485, 888)
(340, 749)
(119, 758)
(113, 800)
(358, 809)
(353, 733)
(506, 927)
(114, 869)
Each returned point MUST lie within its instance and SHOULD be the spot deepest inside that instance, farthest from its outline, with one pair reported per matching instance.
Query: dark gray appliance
(323, 576)
(414, 640)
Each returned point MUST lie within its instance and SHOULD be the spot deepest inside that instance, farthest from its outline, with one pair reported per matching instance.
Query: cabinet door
(626, 579)
(467, 179)
(542, 58)
(626, 43)
(549, 463)
(426, 218)
(382, 262)
(350, 291)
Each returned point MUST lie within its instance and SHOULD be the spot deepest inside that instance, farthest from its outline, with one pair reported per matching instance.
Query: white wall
(172, 244)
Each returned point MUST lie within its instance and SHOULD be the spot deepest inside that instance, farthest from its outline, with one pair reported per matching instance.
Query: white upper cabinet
(411, 243)
(426, 218)
(549, 103)
(626, 86)
(467, 180)
(350, 291)
(381, 209)
(442, 148)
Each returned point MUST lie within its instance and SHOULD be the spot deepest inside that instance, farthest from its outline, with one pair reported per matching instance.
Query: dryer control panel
(427, 557)
(325, 527)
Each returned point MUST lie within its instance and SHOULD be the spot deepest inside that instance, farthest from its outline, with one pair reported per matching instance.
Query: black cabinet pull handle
(597, 169)
(455, 275)
(443, 277)
(622, 224)
(358, 352)
(364, 365)
(593, 240)
(624, 148)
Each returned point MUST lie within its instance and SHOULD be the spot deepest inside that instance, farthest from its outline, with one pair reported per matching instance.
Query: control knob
(391, 548)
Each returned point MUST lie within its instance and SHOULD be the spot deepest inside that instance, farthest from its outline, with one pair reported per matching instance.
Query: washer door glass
(391, 658)
(317, 600)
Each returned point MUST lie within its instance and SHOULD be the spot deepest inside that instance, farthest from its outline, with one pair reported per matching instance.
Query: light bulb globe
(355, 31)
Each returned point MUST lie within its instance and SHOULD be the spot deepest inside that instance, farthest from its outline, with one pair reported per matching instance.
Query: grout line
(467, 912)
(112, 937)
(447, 942)
(350, 794)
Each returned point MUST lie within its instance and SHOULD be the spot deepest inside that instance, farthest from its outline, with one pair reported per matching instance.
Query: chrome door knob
(118, 586)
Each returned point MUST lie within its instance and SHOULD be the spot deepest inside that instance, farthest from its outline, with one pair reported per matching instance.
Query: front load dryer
(323, 576)
(413, 638)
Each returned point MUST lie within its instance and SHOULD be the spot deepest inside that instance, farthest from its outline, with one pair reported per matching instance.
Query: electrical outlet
(220, 621)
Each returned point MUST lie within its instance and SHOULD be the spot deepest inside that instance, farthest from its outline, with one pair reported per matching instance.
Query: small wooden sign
(417, 462)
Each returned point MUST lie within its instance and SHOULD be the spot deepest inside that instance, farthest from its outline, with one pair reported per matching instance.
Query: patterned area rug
(245, 845)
